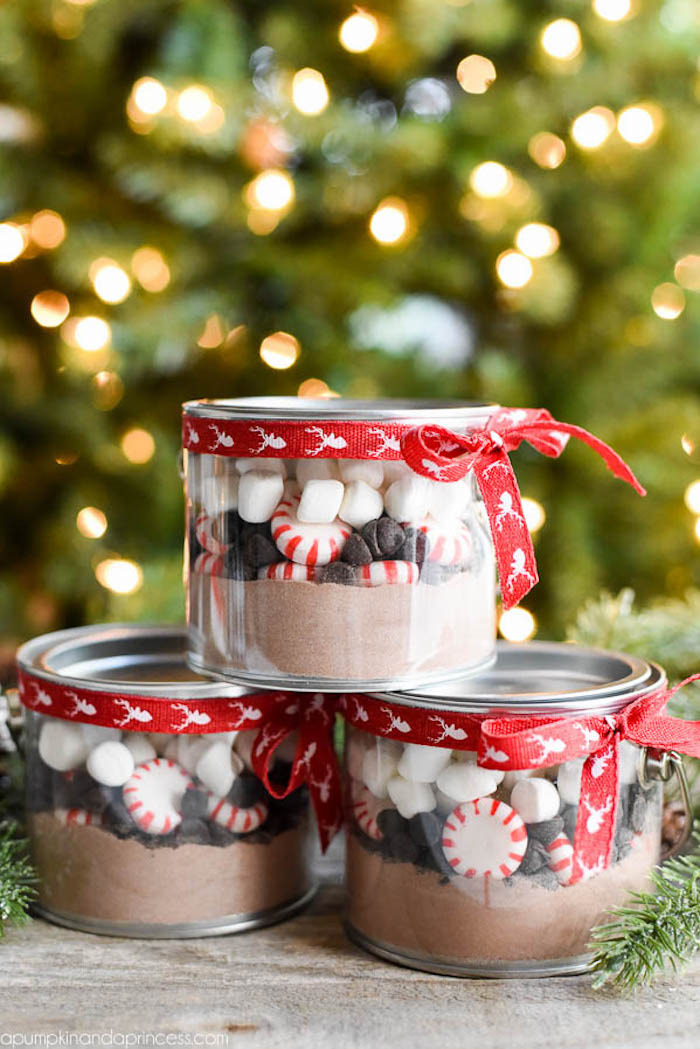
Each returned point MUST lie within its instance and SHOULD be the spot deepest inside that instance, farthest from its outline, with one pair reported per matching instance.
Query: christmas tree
(424, 198)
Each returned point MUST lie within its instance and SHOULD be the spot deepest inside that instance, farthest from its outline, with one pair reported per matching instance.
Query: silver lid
(131, 658)
(543, 677)
(337, 408)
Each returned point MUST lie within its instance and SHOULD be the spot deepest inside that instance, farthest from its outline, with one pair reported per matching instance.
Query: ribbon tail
(515, 556)
(597, 812)
(536, 433)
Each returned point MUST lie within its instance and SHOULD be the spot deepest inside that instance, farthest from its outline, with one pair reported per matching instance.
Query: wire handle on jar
(661, 768)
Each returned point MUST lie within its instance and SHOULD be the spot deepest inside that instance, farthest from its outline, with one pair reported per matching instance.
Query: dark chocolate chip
(546, 878)
(415, 546)
(369, 534)
(218, 835)
(390, 537)
(337, 572)
(248, 529)
(194, 832)
(356, 551)
(535, 857)
(246, 790)
(390, 822)
(259, 551)
(236, 567)
(569, 814)
(546, 831)
(194, 803)
(425, 828)
(227, 527)
(402, 847)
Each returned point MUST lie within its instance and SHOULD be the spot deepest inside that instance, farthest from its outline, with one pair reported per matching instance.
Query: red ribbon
(276, 715)
(509, 743)
(431, 451)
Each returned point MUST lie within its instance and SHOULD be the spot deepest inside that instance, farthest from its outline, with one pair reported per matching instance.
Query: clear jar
(418, 890)
(153, 834)
(389, 579)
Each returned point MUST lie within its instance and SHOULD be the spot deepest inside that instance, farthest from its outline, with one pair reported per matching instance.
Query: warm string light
(359, 32)
(612, 10)
(87, 333)
(316, 388)
(537, 240)
(148, 96)
(194, 103)
(91, 522)
(696, 529)
(490, 180)
(12, 242)
(150, 269)
(119, 575)
(107, 390)
(668, 301)
(50, 308)
(138, 446)
(112, 284)
(309, 92)
(688, 444)
(561, 39)
(591, 129)
(271, 190)
(691, 497)
(687, 272)
(547, 150)
(280, 350)
(638, 125)
(514, 269)
(517, 624)
(389, 221)
(47, 229)
(213, 334)
(534, 512)
(475, 74)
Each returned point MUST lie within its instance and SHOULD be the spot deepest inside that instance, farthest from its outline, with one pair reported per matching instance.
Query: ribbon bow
(442, 455)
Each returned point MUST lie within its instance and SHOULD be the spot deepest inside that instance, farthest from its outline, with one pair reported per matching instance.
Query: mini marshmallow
(378, 767)
(394, 470)
(449, 499)
(270, 466)
(368, 470)
(316, 470)
(320, 501)
(361, 503)
(62, 746)
(110, 763)
(466, 782)
(569, 781)
(535, 800)
(95, 734)
(243, 745)
(511, 778)
(160, 740)
(410, 798)
(259, 493)
(218, 767)
(407, 500)
(188, 750)
(220, 494)
(468, 757)
(422, 764)
(139, 746)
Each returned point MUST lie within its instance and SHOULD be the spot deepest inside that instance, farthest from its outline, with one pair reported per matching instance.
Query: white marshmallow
(218, 767)
(410, 798)
(220, 494)
(468, 757)
(188, 751)
(139, 746)
(316, 470)
(259, 493)
(511, 778)
(171, 749)
(62, 746)
(628, 762)
(227, 737)
(423, 764)
(270, 466)
(466, 782)
(110, 763)
(368, 470)
(407, 500)
(320, 501)
(394, 470)
(569, 780)
(160, 741)
(291, 489)
(243, 745)
(450, 499)
(378, 767)
(360, 504)
(444, 804)
(95, 734)
(535, 800)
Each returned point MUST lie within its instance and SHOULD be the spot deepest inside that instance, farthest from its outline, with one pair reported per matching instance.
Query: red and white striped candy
(288, 570)
(307, 544)
(365, 809)
(560, 854)
(238, 821)
(203, 531)
(484, 838)
(209, 564)
(379, 572)
(153, 795)
(449, 542)
(79, 818)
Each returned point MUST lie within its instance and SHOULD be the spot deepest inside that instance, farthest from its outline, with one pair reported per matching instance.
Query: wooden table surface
(301, 984)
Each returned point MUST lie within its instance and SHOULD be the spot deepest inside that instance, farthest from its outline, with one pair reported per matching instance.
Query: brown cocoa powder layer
(88, 872)
(408, 909)
(348, 632)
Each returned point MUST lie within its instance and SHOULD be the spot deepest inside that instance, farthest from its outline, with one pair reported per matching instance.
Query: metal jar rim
(337, 408)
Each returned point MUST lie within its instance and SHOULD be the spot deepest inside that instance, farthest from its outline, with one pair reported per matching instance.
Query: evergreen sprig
(17, 877)
(658, 930)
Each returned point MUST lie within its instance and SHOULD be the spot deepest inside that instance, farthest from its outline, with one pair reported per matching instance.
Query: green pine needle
(17, 877)
(658, 930)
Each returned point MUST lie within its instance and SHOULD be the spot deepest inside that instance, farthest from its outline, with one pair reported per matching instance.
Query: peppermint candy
(449, 542)
(306, 544)
(153, 795)
(235, 819)
(79, 818)
(365, 809)
(380, 572)
(484, 838)
(288, 570)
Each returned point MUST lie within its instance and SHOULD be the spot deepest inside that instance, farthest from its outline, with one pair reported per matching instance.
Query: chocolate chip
(259, 551)
(337, 572)
(569, 814)
(535, 857)
(356, 551)
(546, 831)
(390, 822)
(546, 878)
(390, 537)
(194, 803)
(403, 848)
(227, 526)
(218, 835)
(193, 832)
(236, 567)
(415, 546)
(248, 529)
(246, 790)
(425, 828)
(369, 534)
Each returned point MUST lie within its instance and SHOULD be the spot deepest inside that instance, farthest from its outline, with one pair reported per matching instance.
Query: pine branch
(17, 877)
(660, 929)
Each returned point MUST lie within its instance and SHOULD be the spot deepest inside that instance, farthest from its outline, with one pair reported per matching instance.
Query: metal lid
(543, 677)
(131, 658)
(337, 408)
